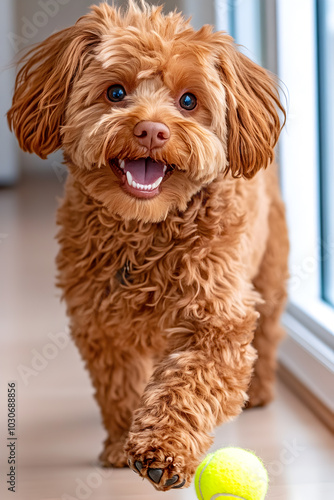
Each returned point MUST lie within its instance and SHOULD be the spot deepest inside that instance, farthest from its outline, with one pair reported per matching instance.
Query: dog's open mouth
(141, 178)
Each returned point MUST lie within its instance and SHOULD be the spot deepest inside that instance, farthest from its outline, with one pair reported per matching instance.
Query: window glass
(245, 26)
(325, 25)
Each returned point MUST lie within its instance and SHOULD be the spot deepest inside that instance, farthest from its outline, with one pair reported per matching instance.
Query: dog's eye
(188, 101)
(116, 93)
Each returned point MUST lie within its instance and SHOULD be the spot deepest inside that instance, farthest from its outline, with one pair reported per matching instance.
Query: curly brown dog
(173, 253)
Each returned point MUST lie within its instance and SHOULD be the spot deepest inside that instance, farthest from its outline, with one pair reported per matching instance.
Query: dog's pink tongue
(144, 171)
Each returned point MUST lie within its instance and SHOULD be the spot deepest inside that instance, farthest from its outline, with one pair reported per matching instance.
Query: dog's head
(146, 109)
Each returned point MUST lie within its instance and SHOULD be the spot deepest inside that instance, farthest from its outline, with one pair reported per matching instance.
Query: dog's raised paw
(163, 477)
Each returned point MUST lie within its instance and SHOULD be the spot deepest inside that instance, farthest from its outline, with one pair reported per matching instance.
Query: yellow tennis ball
(229, 474)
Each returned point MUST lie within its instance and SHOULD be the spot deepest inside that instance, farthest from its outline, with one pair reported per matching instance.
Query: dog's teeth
(165, 168)
(122, 164)
(143, 187)
(157, 183)
(129, 178)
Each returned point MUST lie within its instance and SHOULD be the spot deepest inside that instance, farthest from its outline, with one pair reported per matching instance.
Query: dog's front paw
(113, 454)
(260, 393)
(164, 465)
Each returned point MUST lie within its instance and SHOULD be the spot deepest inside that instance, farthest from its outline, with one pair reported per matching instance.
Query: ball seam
(201, 473)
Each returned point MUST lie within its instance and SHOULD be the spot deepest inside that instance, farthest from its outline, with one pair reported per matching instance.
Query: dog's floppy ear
(44, 82)
(253, 107)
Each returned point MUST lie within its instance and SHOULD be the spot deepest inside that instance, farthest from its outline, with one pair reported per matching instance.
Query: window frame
(307, 352)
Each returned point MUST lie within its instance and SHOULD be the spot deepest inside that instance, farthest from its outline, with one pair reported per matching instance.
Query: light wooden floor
(59, 430)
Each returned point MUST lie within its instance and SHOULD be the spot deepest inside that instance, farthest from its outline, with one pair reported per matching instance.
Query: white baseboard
(309, 359)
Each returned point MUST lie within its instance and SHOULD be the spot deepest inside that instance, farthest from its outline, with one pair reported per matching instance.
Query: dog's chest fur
(131, 256)
(112, 271)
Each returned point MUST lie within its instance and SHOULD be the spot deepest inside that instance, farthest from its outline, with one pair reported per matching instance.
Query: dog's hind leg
(271, 284)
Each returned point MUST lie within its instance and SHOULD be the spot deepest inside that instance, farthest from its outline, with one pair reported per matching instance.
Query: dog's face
(147, 110)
